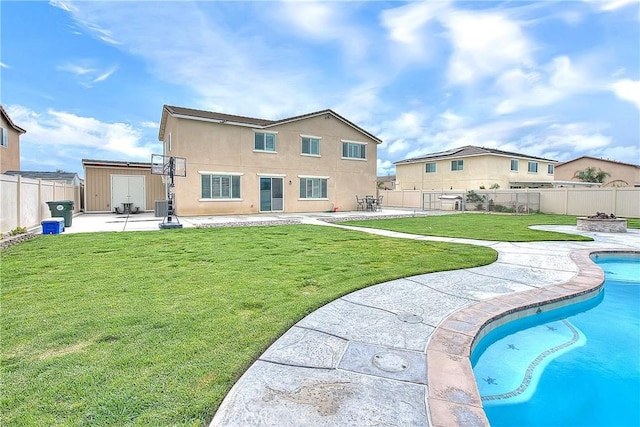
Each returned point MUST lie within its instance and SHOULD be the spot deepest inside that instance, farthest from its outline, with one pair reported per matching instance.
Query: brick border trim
(453, 397)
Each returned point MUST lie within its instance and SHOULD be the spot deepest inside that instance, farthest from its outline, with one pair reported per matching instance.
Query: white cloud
(485, 44)
(60, 130)
(150, 125)
(544, 86)
(105, 75)
(611, 5)
(408, 28)
(3, 65)
(76, 69)
(628, 90)
(87, 72)
(386, 167)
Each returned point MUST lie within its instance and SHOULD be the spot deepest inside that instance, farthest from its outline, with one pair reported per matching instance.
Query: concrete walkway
(391, 354)
(362, 359)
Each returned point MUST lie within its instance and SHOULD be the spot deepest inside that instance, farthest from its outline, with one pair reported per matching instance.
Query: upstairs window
(310, 146)
(550, 169)
(265, 142)
(514, 165)
(533, 167)
(430, 167)
(4, 137)
(457, 165)
(353, 150)
(220, 186)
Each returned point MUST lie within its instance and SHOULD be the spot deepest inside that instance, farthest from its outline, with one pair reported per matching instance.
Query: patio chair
(379, 203)
(359, 204)
(370, 201)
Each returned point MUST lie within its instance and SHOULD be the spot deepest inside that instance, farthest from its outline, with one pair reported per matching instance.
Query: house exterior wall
(9, 155)
(622, 175)
(482, 170)
(212, 148)
(98, 186)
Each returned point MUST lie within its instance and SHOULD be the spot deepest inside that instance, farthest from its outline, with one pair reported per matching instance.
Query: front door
(271, 194)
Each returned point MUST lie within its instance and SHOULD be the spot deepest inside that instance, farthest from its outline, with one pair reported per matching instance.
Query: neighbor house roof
(192, 114)
(51, 176)
(468, 151)
(8, 119)
(599, 159)
(116, 164)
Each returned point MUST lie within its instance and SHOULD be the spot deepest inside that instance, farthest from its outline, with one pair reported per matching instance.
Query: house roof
(468, 151)
(51, 176)
(190, 113)
(8, 119)
(599, 159)
(116, 163)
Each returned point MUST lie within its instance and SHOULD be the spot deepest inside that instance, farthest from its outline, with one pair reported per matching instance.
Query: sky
(554, 79)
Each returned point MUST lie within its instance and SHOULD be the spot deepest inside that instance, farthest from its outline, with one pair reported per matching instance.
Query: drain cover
(409, 318)
(390, 362)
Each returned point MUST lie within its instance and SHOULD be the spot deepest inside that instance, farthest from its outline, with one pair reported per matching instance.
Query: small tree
(590, 175)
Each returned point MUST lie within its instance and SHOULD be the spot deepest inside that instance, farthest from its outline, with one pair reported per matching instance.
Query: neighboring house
(621, 174)
(9, 142)
(387, 182)
(240, 165)
(471, 168)
(71, 178)
(109, 184)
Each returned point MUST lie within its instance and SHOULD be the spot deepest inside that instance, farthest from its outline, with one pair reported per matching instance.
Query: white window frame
(426, 167)
(4, 137)
(264, 150)
(529, 167)
(550, 169)
(311, 139)
(319, 179)
(459, 165)
(516, 163)
(362, 144)
(231, 175)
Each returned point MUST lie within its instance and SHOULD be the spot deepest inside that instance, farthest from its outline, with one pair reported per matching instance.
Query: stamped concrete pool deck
(396, 354)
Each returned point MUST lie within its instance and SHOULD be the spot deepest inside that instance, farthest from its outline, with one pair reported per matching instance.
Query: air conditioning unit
(161, 208)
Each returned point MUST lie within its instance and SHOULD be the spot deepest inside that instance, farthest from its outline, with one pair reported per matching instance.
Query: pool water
(575, 366)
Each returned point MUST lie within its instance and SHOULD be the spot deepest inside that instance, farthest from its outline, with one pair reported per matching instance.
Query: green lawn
(507, 228)
(153, 328)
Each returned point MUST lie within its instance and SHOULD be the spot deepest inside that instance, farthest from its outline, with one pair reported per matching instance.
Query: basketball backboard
(161, 165)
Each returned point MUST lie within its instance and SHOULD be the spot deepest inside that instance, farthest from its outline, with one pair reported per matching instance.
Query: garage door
(128, 189)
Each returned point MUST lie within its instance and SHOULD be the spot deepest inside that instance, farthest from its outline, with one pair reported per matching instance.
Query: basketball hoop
(169, 167)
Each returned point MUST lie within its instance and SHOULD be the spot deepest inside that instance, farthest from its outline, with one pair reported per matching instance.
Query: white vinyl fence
(23, 201)
(620, 201)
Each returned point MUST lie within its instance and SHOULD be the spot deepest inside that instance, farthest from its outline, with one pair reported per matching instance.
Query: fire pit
(603, 223)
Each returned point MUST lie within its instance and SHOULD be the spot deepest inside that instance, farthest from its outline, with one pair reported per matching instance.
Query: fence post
(614, 200)
(19, 201)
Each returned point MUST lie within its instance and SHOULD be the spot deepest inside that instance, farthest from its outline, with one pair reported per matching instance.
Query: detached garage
(114, 186)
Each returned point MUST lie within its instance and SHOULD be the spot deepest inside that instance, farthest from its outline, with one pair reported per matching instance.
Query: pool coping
(452, 389)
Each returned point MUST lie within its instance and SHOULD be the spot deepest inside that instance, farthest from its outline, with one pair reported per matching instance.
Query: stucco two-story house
(620, 174)
(9, 142)
(241, 165)
(472, 168)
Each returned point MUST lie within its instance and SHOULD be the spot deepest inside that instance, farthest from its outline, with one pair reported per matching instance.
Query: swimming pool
(574, 366)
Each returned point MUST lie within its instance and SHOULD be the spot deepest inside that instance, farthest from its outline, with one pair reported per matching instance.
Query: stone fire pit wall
(616, 225)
